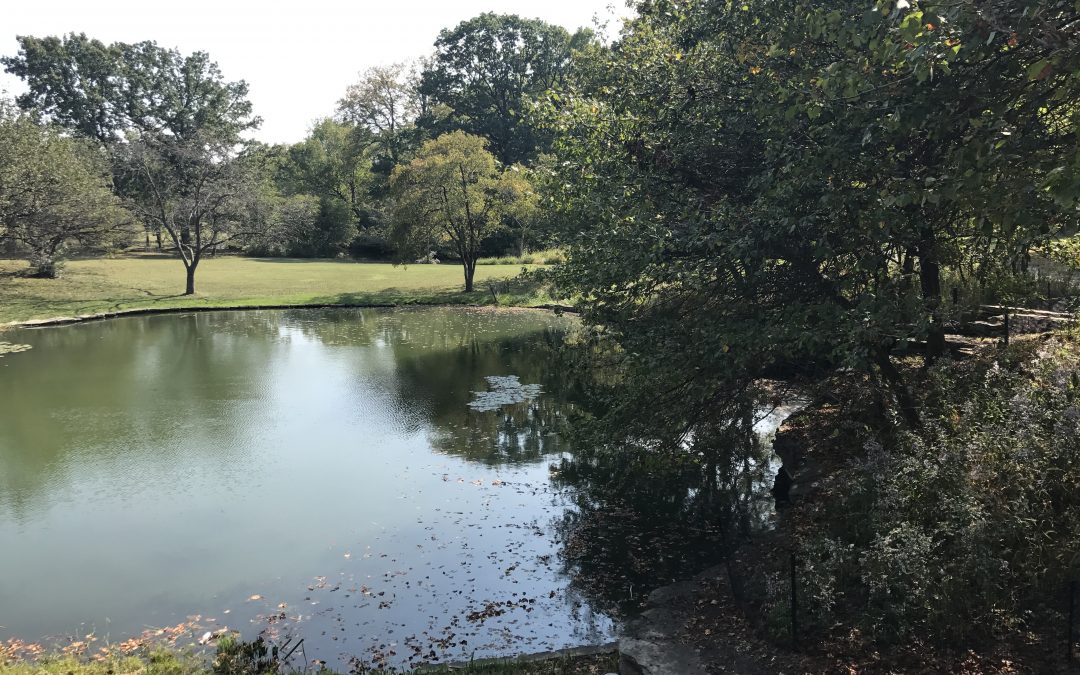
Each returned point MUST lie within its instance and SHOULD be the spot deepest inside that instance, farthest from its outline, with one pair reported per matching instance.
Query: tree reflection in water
(645, 517)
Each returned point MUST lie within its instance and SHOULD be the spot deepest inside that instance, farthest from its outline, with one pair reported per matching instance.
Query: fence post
(1072, 615)
(794, 607)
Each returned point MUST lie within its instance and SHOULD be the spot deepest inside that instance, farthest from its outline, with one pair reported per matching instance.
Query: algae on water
(504, 390)
(11, 348)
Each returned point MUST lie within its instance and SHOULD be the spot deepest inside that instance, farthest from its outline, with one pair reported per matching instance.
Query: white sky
(297, 56)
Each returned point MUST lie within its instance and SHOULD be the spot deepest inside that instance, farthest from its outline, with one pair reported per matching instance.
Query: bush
(969, 530)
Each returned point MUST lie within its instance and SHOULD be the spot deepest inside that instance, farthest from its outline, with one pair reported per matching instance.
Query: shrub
(970, 529)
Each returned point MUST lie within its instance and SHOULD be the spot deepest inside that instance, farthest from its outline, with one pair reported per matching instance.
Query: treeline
(417, 162)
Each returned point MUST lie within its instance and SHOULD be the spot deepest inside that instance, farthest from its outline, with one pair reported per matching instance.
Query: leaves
(454, 194)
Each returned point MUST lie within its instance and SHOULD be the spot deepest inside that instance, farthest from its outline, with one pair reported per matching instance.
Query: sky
(297, 56)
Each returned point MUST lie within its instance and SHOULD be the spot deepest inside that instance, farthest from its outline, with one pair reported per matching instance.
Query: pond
(376, 481)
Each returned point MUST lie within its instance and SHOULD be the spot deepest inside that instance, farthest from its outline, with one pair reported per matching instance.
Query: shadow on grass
(397, 296)
(514, 291)
(340, 261)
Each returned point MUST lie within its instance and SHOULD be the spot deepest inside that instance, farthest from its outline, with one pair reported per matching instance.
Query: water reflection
(370, 476)
(645, 517)
(325, 462)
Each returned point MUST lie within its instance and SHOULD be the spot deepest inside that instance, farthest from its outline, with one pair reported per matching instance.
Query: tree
(104, 91)
(54, 193)
(383, 102)
(334, 163)
(173, 123)
(293, 227)
(758, 187)
(487, 70)
(198, 191)
(453, 193)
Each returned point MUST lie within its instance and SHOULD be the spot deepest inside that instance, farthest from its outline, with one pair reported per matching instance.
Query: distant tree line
(170, 139)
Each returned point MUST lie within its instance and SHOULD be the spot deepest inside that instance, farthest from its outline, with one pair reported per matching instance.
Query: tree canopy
(487, 70)
(454, 194)
(103, 91)
(55, 192)
(763, 185)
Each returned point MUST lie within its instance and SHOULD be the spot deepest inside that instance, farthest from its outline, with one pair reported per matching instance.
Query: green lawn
(138, 282)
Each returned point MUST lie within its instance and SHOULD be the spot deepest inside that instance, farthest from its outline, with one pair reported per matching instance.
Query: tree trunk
(147, 240)
(157, 233)
(190, 288)
(895, 381)
(470, 270)
(930, 280)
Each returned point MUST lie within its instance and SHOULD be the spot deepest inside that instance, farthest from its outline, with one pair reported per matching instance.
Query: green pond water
(375, 481)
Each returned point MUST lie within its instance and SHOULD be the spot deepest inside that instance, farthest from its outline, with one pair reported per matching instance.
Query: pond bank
(579, 661)
(110, 285)
(736, 617)
(149, 311)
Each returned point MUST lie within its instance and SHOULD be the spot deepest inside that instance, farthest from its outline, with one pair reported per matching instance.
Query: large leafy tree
(198, 191)
(335, 163)
(454, 194)
(756, 186)
(383, 102)
(54, 193)
(104, 91)
(487, 70)
(173, 123)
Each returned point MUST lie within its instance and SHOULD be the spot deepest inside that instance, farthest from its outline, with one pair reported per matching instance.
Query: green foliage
(550, 256)
(54, 194)
(749, 188)
(293, 229)
(454, 194)
(158, 661)
(970, 530)
(487, 70)
(104, 91)
(385, 103)
(1065, 251)
(242, 657)
(334, 163)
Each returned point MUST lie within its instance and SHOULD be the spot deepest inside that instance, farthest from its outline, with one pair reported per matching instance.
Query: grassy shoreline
(107, 287)
(176, 661)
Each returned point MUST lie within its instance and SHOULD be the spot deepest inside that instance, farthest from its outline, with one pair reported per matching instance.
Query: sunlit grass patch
(548, 256)
(157, 282)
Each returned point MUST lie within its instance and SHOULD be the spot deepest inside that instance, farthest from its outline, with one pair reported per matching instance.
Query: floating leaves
(11, 348)
(504, 390)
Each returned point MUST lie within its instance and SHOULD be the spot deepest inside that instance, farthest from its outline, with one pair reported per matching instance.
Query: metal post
(1072, 615)
(795, 607)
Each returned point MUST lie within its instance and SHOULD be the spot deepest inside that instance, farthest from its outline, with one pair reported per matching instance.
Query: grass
(171, 662)
(157, 662)
(549, 256)
(157, 282)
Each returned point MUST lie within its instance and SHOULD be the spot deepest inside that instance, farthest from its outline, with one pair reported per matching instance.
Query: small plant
(238, 657)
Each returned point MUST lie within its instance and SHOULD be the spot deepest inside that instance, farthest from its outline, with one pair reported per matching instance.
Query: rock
(665, 657)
